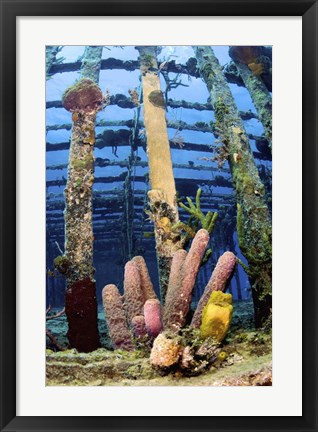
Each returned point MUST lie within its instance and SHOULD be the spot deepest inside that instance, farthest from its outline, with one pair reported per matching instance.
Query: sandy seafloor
(247, 363)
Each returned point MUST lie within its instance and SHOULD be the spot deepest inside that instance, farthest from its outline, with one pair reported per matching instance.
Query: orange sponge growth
(248, 55)
(245, 54)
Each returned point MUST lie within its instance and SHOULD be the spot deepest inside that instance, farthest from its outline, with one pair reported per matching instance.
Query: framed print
(161, 163)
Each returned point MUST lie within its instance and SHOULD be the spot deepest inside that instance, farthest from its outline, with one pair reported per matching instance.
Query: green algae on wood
(253, 219)
(83, 97)
(91, 62)
(260, 95)
(61, 263)
(51, 52)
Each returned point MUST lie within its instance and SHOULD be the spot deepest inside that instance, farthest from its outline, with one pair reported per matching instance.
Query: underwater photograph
(158, 215)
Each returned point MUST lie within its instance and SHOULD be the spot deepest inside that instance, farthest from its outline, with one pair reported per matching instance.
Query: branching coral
(207, 221)
(197, 218)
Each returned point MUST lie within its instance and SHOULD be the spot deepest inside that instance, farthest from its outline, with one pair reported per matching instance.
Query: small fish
(149, 234)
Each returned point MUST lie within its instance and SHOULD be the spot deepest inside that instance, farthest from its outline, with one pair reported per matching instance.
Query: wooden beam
(120, 138)
(99, 162)
(123, 101)
(131, 65)
(218, 181)
(198, 127)
(115, 193)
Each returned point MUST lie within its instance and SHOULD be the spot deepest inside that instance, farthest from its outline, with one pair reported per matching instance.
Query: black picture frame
(308, 10)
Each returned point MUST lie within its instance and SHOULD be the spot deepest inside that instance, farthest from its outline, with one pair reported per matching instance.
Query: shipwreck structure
(135, 185)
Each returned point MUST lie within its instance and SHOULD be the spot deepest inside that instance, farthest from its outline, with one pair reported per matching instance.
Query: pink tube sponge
(134, 299)
(115, 318)
(138, 326)
(152, 313)
(145, 281)
(176, 275)
(178, 303)
(218, 282)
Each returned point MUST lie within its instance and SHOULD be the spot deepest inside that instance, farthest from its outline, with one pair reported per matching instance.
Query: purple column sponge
(218, 282)
(134, 299)
(178, 302)
(152, 313)
(115, 318)
(145, 281)
(138, 326)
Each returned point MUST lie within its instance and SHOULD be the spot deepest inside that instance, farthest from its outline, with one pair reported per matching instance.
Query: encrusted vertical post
(253, 221)
(250, 70)
(90, 67)
(84, 99)
(50, 57)
(162, 196)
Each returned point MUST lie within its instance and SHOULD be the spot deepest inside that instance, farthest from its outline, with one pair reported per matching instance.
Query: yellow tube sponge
(216, 316)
